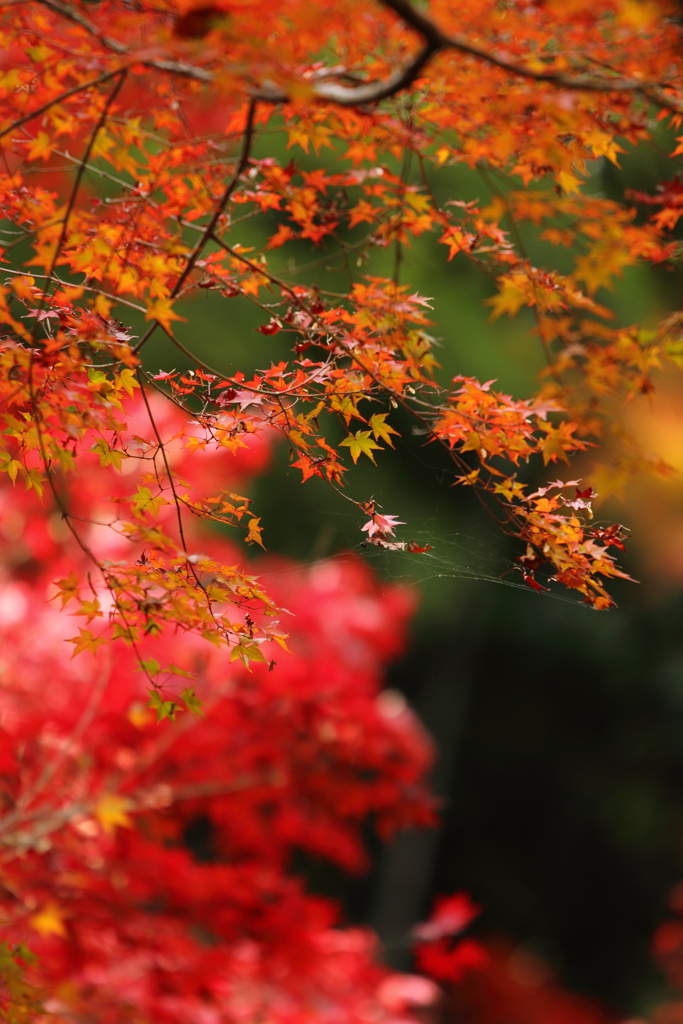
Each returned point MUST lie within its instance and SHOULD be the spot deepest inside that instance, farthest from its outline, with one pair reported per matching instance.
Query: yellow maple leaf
(509, 488)
(316, 134)
(360, 443)
(558, 441)
(252, 282)
(603, 144)
(569, 183)
(144, 503)
(162, 311)
(126, 380)
(255, 532)
(102, 305)
(111, 810)
(513, 294)
(598, 268)
(40, 147)
(48, 921)
(85, 641)
(67, 588)
(380, 429)
(124, 160)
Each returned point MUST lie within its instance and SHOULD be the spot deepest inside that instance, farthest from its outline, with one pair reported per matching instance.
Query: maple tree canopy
(142, 146)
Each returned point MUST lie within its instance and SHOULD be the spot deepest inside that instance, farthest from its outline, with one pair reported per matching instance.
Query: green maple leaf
(193, 704)
(108, 456)
(163, 708)
(144, 502)
(35, 480)
(360, 443)
(10, 465)
(151, 666)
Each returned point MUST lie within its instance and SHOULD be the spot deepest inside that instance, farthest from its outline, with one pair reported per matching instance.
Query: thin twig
(218, 212)
(59, 99)
(372, 92)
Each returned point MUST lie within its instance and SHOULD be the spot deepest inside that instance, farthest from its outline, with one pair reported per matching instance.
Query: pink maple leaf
(383, 525)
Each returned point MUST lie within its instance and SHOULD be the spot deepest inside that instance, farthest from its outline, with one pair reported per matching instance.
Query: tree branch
(220, 208)
(437, 40)
(59, 99)
(372, 92)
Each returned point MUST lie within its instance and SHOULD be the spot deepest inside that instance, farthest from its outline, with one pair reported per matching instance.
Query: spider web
(460, 548)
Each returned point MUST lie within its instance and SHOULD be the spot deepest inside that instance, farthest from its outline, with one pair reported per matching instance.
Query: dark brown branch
(437, 40)
(68, 12)
(372, 92)
(215, 217)
(360, 95)
(59, 99)
(77, 182)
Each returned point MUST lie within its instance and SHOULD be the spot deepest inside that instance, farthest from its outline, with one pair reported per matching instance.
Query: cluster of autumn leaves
(164, 223)
(133, 142)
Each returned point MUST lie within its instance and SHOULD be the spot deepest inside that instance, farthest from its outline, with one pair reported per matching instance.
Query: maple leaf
(509, 488)
(272, 327)
(569, 182)
(67, 588)
(457, 240)
(558, 441)
(150, 666)
(282, 235)
(24, 288)
(247, 651)
(164, 708)
(85, 641)
(255, 531)
(381, 525)
(363, 212)
(90, 609)
(108, 456)
(380, 429)
(191, 701)
(469, 479)
(318, 135)
(144, 502)
(513, 294)
(599, 268)
(308, 467)
(35, 480)
(162, 310)
(360, 443)
(10, 466)
(111, 812)
(42, 146)
(126, 380)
